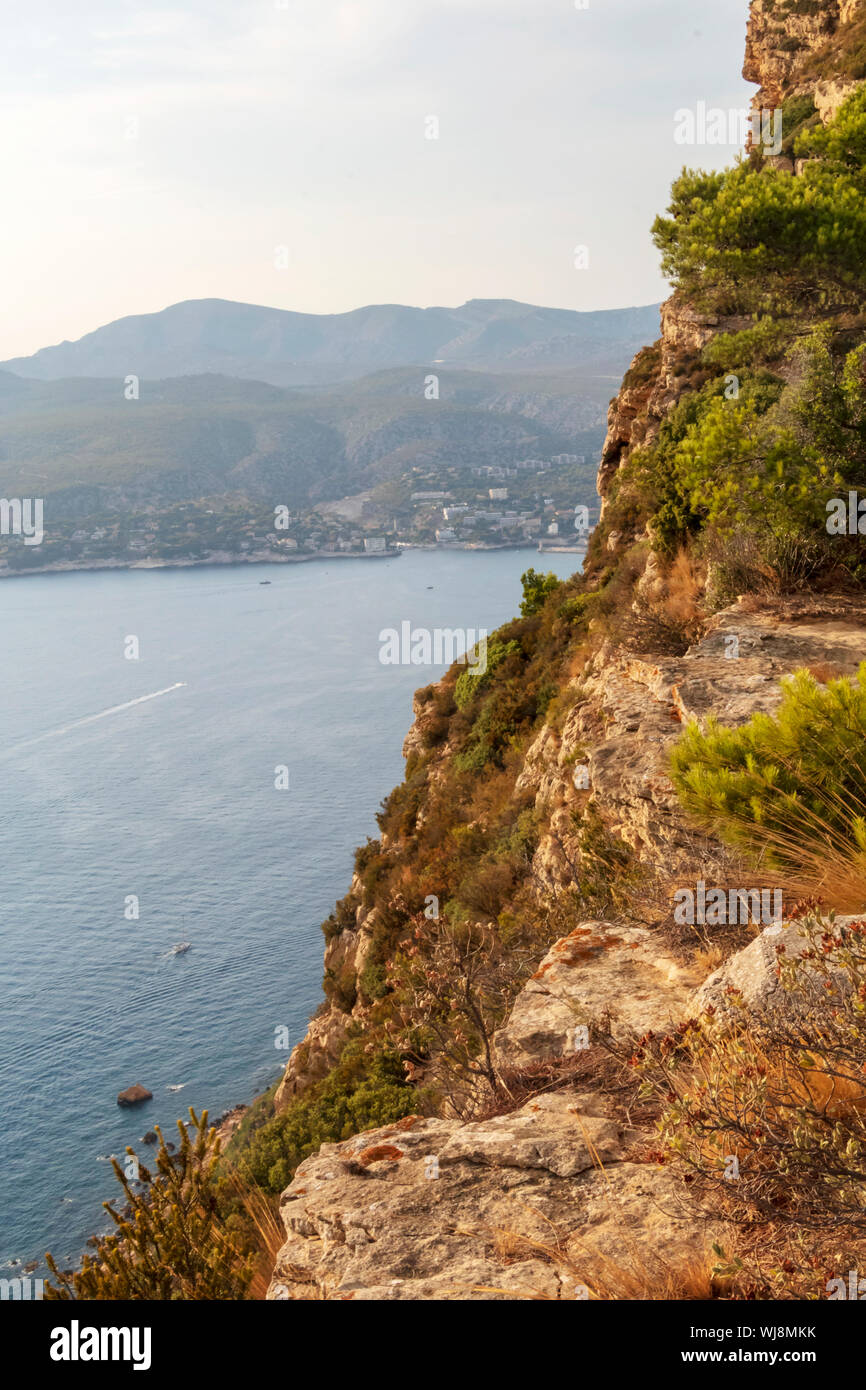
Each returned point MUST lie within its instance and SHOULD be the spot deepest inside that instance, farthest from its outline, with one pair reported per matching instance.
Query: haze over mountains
(290, 349)
(237, 409)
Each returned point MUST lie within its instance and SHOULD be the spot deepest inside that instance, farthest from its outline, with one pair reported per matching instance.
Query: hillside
(196, 465)
(284, 348)
(166, 439)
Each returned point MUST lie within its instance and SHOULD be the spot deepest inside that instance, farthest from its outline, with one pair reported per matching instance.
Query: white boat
(179, 948)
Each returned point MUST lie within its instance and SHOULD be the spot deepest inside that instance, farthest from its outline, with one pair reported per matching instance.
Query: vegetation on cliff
(731, 451)
(768, 422)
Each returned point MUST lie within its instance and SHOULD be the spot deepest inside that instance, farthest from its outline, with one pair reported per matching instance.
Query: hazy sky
(153, 153)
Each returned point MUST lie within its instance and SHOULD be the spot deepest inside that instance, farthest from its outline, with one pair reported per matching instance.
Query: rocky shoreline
(227, 558)
(217, 558)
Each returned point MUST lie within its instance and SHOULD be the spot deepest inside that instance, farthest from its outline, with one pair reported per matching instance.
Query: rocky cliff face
(563, 1195)
(560, 1194)
(786, 42)
(790, 47)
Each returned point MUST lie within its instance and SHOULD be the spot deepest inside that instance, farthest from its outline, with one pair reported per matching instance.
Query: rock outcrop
(784, 46)
(362, 1218)
(631, 710)
(750, 983)
(540, 1203)
(781, 40)
(656, 379)
(134, 1095)
(612, 975)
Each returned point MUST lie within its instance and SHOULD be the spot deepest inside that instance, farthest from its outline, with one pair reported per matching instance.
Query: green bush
(471, 683)
(765, 341)
(753, 239)
(800, 774)
(537, 588)
(364, 1091)
(170, 1240)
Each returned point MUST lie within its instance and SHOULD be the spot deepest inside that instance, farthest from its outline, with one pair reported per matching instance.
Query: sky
(279, 151)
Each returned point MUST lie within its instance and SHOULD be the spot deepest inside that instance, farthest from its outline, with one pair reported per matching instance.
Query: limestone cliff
(790, 50)
(558, 1195)
(557, 1192)
(793, 49)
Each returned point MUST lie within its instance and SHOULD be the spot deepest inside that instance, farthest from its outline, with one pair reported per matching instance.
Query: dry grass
(822, 863)
(637, 1277)
(584, 1272)
(709, 958)
(684, 584)
(265, 1229)
(824, 671)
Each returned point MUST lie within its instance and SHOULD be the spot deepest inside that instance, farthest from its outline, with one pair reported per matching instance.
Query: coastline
(225, 557)
(217, 557)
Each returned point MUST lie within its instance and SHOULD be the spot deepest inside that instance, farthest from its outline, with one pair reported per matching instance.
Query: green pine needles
(170, 1241)
(789, 783)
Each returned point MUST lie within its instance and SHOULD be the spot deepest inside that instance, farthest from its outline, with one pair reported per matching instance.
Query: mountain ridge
(284, 347)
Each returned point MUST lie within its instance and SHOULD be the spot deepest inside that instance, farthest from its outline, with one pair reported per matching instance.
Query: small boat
(180, 948)
(264, 581)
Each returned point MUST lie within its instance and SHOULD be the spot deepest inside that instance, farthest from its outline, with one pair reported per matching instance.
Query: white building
(498, 494)
(374, 545)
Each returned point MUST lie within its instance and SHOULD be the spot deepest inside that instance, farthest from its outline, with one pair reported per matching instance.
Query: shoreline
(227, 558)
(216, 559)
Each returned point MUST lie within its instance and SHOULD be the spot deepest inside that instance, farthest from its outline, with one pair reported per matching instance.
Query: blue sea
(171, 801)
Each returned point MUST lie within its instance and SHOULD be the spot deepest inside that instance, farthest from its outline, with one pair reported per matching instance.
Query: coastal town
(542, 503)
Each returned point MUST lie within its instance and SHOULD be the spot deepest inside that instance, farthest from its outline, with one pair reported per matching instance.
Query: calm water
(173, 800)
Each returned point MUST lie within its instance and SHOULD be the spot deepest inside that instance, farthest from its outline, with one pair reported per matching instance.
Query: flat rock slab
(600, 971)
(432, 1209)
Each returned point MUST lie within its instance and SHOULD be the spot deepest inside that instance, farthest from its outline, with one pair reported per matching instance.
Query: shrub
(764, 342)
(170, 1240)
(537, 588)
(777, 1101)
(755, 239)
(471, 683)
(364, 1091)
(796, 776)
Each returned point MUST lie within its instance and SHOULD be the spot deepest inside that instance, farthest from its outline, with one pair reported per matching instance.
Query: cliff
(518, 1155)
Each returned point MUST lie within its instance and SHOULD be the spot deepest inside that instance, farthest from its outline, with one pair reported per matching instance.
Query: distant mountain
(283, 348)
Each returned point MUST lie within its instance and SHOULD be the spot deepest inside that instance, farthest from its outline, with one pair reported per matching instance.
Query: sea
(187, 756)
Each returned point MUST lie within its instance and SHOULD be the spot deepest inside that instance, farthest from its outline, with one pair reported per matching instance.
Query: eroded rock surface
(749, 982)
(520, 1209)
(618, 976)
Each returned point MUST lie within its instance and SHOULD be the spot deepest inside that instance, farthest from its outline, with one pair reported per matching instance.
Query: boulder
(618, 975)
(134, 1095)
(749, 980)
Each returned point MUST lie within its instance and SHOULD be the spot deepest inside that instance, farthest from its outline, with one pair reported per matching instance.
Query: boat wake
(92, 718)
